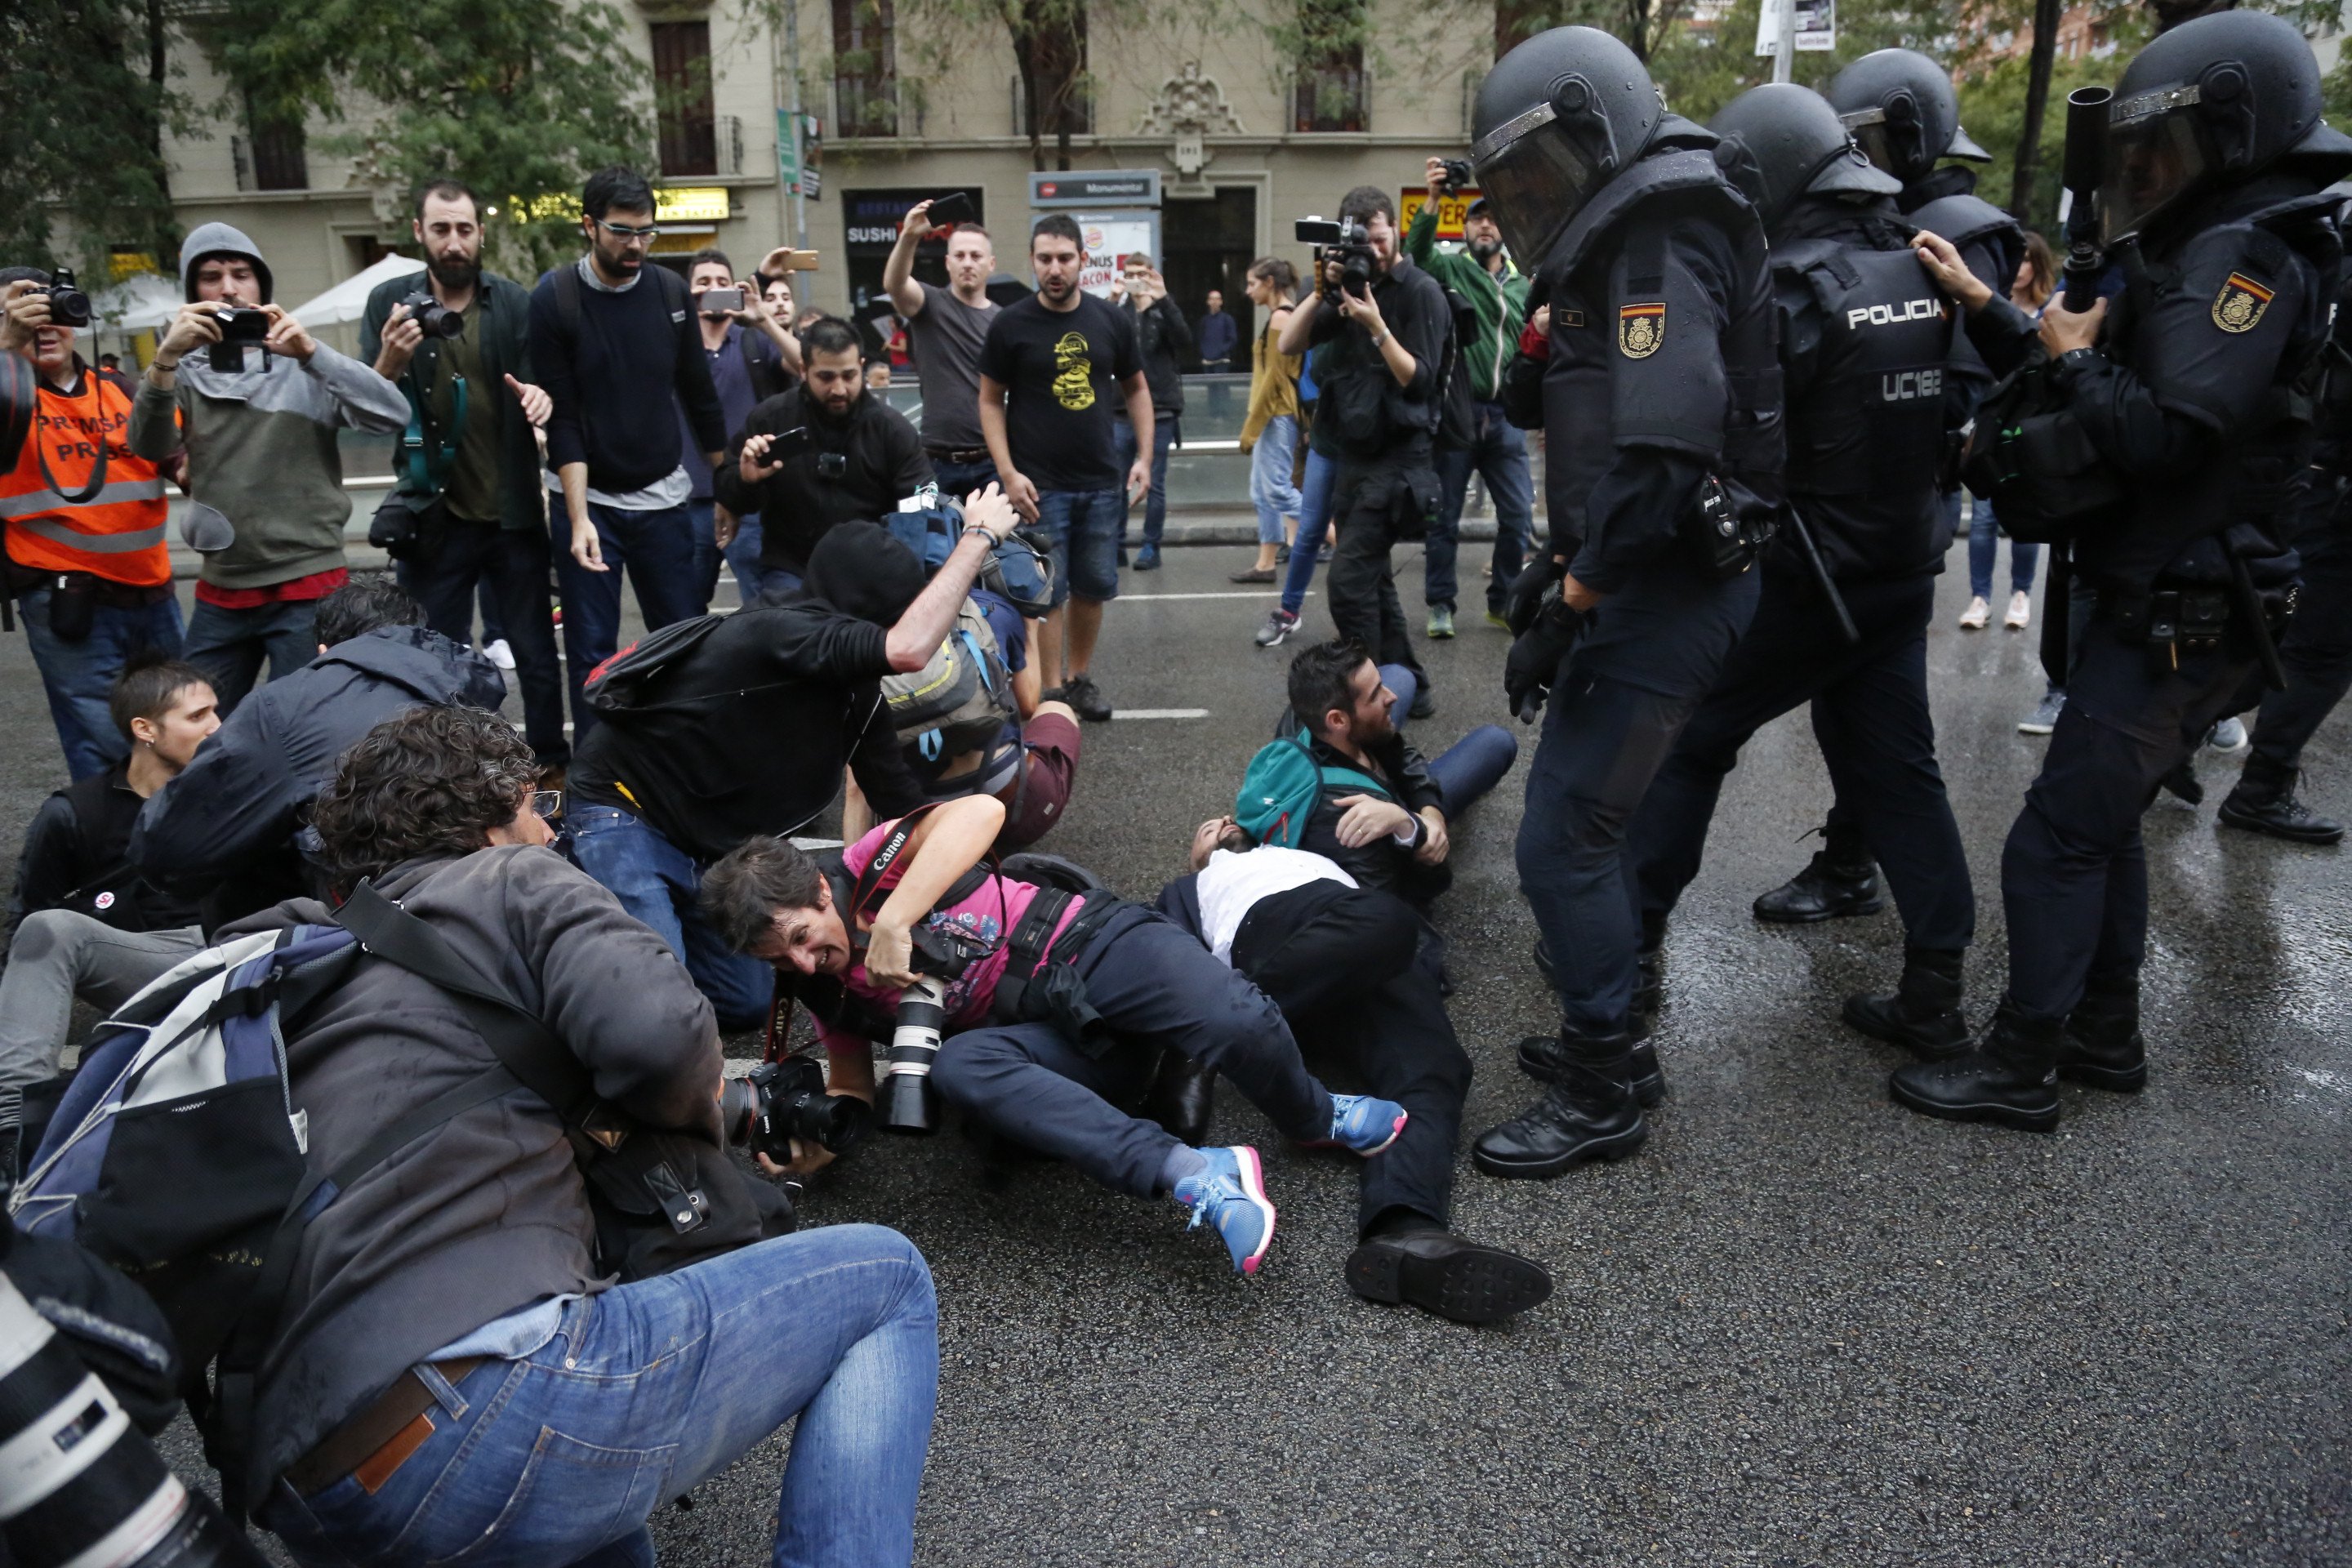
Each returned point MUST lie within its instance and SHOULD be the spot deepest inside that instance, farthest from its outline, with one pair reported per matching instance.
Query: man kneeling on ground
(1351, 969)
(1026, 1068)
(452, 1372)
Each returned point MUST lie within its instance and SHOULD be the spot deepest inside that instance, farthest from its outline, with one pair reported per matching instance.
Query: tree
(519, 98)
(82, 113)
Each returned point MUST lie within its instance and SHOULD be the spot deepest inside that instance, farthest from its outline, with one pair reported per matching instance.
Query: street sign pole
(1784, 59)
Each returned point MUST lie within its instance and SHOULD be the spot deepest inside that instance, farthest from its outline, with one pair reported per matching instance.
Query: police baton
(1822, 577)
(2258, 626)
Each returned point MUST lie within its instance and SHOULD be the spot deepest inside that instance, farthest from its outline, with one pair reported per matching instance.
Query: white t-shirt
(1231, 885)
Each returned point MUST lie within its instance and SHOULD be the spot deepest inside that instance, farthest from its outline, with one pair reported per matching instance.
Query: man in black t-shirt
(746, 734)
(1047, 374)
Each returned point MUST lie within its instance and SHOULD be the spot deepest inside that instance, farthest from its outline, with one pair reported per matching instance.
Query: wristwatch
(2073, 362)
(1379, 337)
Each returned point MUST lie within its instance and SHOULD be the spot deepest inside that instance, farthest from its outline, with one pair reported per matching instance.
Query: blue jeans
(656, 882)
(742, 553)
(1313, 517)
(1984, 539)
(1498, 452)
(1470, 768)
(657, 550)
(704, 511)
(1271, 491)
(229, 646)
(1084, 529)
(77, 675)
(1155, 502)
(957, 480)
(559, 1457)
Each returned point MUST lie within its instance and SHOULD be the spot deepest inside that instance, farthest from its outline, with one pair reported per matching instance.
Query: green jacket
(505, 315)
(1500, 305)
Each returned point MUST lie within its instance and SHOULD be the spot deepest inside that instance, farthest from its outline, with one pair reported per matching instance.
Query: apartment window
(682, 99)
(865, 68)
(1331, 89)
(275, 158)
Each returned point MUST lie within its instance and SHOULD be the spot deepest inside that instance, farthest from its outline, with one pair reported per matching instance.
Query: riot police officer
(1902, 109)
(2186, 387)
(1849, 582)
(1661, 407)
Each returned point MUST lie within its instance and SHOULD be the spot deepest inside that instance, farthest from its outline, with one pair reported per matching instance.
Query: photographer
(1381, 383)
(85, 558)
(1163, 341)
(452, 1368)
(471, 482)
(265, 468)
(1480, 272)
(1139, 980)
(746, 347)
(747, 729)
(824, 453)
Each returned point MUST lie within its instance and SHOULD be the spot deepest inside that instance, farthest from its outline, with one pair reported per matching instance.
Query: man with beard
(1479, 274)
(821, 454)
(468, 469)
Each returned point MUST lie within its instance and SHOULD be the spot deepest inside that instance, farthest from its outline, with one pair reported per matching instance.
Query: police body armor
(1616, 246)
(1992, 243)
(1865, 439)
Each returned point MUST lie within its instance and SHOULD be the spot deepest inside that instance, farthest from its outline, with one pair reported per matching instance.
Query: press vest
(117, 530)
(1718, 396)
(1866, 431)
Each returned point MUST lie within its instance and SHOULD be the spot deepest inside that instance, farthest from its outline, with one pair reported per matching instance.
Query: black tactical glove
(1528, 591)
(1534, 661)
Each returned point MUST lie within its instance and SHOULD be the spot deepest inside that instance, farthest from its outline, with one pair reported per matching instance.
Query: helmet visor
(1892, 144)
(1534, 177)
(2158, 153)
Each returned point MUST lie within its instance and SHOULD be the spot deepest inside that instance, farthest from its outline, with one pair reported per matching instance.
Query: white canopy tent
(347, 300)
(139, 303)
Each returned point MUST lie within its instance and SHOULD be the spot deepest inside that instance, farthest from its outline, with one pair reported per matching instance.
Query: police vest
(1735, 424)
(78, 501)
(1866, 433)
(1968, 221)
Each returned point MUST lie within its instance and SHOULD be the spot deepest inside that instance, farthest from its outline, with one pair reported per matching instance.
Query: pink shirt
(988, 917)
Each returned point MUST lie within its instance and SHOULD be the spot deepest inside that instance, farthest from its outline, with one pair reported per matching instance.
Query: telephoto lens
(78, 1484)
(908, 1102)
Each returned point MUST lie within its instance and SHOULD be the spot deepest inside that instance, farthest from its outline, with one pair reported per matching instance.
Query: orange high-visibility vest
(118, 533)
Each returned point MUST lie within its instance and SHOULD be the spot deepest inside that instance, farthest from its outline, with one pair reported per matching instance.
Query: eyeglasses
(547, 804)
(628, 231)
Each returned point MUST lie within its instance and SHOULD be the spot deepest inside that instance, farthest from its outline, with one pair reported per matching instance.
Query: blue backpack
(1283, 784)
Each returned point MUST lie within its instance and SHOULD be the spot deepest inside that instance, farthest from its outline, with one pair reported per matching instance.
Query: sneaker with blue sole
(1228, 1193)
(1362, 1124)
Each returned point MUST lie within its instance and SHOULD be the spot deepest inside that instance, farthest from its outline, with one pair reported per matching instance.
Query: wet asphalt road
(1802, 1327)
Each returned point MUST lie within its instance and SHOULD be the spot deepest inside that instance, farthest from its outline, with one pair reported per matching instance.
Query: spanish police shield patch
(2240, 303)
(1640, 330)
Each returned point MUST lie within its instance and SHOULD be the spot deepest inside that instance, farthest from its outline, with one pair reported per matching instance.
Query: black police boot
(1842, 880)
(2263, 802)
(1649, 977)
(2102, 1045)
(2009, 1078)
(1924, 1012)
(1589, 1113)
(1545, 1059)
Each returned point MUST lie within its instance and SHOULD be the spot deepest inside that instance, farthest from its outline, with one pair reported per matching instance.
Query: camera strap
(88, 492)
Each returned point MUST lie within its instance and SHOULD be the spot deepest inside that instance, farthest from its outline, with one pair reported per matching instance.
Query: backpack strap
(567, 299)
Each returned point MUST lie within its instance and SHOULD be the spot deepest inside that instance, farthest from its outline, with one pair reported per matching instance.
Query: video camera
(774, 1103)
(1341, 239)
(239, 325)
(431, 316)
(69, 306)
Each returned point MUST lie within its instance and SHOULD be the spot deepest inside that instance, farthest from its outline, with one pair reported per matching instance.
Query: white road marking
(1271, 592)
(1160, 712)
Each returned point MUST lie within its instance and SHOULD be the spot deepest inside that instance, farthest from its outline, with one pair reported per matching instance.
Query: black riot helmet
(2209, 105)
(1782, 141)
(1557, 118)
(1901, 108)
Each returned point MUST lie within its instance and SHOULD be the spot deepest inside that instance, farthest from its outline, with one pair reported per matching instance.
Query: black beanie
(861, 569)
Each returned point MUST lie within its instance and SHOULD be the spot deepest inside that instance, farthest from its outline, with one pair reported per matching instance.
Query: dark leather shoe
(1439, 1272)
(2011, 1079)
(1923, 1014)
(2276, 812)
(2103, 1048)
(1182, 1097)
(1589, 1112)
(1541, 1059)
(1823, 891)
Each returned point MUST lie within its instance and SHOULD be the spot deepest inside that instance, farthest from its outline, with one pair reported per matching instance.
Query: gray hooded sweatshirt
(261, 442)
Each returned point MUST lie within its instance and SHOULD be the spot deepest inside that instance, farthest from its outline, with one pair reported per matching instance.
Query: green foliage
(1993, 106)
(519, 99)
(80, 124)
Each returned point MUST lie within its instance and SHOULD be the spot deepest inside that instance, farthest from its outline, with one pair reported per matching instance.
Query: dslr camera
(1458, 176)
(1343, 240)
(777, 1102)
(431, 316)
(239, 325)
(908, 1103)
(69, 306)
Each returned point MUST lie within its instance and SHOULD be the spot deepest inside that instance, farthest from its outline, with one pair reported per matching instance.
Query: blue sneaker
(1363, 1124)
(1230, 1193)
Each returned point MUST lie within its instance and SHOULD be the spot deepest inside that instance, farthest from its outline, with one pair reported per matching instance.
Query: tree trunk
(1637, 28)
(2037, 99)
